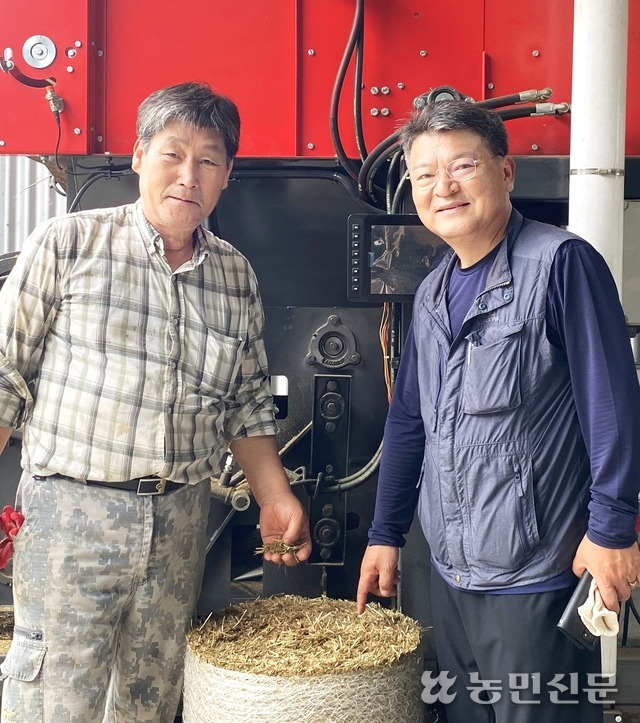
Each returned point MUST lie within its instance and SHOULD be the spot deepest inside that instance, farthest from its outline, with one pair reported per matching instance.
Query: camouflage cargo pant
(105, 585)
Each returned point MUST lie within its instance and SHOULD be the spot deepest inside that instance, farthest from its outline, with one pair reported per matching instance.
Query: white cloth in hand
(598, 619)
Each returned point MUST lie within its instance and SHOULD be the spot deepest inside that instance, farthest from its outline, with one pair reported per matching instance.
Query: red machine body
(279, 61)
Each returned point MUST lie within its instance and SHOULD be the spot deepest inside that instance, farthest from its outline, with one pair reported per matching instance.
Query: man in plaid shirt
(132, 356)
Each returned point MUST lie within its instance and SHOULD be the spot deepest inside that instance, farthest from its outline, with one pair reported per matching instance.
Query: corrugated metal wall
(27, 197)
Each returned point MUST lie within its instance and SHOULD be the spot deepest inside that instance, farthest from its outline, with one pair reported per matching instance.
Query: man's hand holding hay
(282, 517)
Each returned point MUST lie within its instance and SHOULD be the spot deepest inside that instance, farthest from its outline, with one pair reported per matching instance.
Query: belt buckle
(158, 482)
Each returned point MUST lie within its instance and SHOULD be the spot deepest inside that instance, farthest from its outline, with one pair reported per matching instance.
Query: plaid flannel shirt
(118, 367)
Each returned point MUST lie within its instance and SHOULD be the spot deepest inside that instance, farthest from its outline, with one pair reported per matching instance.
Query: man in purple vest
(514, 430)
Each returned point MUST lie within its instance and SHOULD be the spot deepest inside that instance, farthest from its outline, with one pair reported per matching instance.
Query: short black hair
(456, 115)
(194, 104)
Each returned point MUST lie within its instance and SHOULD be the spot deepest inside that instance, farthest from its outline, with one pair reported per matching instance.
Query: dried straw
(278, 546)
(292, 659)
(290, 635)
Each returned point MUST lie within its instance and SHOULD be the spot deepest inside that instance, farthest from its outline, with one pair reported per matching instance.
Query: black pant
(509, 644)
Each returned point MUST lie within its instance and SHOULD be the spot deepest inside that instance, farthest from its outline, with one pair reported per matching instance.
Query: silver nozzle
(551, 109)
(530, 96)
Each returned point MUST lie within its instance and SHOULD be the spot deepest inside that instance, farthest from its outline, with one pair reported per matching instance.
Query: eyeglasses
(460, 170)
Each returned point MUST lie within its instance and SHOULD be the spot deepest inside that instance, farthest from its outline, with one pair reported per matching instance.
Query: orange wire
(383, 334)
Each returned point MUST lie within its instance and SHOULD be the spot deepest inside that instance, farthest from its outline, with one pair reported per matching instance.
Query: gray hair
(194, 104)
(456, 115)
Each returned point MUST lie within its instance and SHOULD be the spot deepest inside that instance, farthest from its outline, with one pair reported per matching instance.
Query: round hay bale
(290, 659)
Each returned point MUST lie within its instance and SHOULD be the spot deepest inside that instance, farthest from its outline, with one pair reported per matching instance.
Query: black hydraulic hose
(386, 146)
(377, 163)
(356, 30)
(316, 173)
(508, 107)
(396, 161)
(500, 102)
(520, 111)
(524, 96)
(8, 66)
(109, 173)
(365, 178)
(398, 193)
(89, 182)
(357, 98)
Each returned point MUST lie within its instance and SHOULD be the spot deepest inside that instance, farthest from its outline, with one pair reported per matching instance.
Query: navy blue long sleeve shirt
(585, 319)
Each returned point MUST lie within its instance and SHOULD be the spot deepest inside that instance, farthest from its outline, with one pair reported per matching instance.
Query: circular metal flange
(39, 51)
(333, 345)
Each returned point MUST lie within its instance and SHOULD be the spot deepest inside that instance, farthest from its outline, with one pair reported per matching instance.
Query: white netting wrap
(296, 660)
(214, 695)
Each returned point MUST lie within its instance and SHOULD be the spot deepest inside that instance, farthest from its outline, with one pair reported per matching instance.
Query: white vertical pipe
(598, 110)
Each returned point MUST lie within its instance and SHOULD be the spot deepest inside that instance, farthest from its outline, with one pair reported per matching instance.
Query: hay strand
(278, 546)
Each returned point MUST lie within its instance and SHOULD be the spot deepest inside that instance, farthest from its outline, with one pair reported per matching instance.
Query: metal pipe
(598, 110)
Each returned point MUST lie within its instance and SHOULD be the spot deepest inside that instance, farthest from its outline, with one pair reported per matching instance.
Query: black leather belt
(142, 486)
